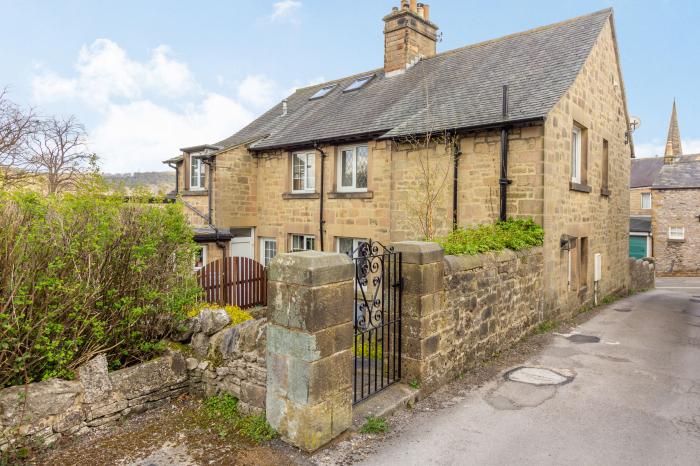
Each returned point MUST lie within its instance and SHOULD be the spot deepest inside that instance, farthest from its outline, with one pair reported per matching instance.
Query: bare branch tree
(433, 150)
(58, 152)
(16, 126)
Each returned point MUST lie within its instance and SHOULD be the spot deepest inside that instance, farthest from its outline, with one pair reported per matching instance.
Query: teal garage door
(638, 246)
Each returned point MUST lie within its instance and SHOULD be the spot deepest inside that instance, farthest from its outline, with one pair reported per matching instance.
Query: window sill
(582, 188)
(196, 192)
(300, 195)
(605, 192)
(351, 195)
(676, 240)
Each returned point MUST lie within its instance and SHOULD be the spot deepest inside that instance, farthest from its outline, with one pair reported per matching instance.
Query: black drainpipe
(321, 221)
(504, 181)
(456, 152)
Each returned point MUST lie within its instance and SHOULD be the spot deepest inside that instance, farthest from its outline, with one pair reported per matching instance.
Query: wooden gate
(237, 281)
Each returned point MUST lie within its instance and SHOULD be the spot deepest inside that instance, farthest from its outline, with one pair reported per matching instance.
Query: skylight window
(322, 92)
(358, 83)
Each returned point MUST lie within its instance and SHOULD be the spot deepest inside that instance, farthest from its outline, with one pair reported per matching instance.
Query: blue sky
(149, 77)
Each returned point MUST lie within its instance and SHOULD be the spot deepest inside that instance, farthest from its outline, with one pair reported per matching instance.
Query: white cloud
(146, 111)
(137, 136)
(259, 90)
(656, 147)
(285, 11)
(104, 72)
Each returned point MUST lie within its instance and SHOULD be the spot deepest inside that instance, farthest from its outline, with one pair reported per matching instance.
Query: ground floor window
(268, 250)
(200, 256)
(302, 243)
(350, 246)
(676, 233)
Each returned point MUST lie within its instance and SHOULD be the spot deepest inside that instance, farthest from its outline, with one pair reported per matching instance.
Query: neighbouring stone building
(539, 115)
(665, 207)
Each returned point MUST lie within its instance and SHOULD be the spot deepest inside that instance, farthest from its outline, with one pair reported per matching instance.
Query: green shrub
(512, 234)
(237, 315)
(82, 274)
(370, 349)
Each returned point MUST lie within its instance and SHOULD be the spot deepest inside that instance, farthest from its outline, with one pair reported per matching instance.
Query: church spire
(673, 142)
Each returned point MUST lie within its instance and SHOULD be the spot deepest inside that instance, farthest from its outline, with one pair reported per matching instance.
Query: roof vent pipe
(284, 107)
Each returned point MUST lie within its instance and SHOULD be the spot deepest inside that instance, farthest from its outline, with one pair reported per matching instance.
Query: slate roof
(464, 88)
(640, 224)
(683, 173)
(644, 171)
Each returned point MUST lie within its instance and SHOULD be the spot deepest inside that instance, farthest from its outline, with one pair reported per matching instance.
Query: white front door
(242, 246)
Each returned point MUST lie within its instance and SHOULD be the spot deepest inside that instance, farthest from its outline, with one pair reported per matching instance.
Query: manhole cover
(578, 338)
(623, 309)
(536, 376)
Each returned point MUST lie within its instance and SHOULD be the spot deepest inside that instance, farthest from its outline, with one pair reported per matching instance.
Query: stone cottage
(534, 124)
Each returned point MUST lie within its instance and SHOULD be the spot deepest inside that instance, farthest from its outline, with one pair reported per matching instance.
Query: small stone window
(579, 154)
(646, 201)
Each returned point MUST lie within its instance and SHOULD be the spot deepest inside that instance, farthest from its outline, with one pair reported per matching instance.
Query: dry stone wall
(218, 359)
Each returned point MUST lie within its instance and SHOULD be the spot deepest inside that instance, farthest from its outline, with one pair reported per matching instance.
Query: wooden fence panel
(237, 281)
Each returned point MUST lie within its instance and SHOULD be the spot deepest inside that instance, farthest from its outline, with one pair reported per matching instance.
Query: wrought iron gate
(377, 319)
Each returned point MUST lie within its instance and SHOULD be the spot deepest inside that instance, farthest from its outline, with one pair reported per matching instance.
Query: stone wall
(49, 410)
(459, 310)
(595, 102)
(220, 359)
(677, 208)
(642, 274)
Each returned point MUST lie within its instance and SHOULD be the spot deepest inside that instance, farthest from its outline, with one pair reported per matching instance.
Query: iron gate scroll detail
(377, 319)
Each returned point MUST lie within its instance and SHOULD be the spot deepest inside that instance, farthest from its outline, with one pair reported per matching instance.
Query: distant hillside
(155, 182)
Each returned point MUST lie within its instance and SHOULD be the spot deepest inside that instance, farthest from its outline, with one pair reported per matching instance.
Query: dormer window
(358, 83)
(196, 173)
(322, 92)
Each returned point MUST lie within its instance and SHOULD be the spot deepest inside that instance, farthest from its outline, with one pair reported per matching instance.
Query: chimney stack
(408, 36)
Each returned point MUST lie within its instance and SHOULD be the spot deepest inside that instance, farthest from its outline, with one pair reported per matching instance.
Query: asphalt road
(634, 399)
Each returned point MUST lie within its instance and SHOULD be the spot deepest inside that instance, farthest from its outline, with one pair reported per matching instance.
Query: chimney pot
(414, 8)
(404, 4)
(426, 12)
(420, 10)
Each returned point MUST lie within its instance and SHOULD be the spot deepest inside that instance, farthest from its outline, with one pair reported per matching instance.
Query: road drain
(536, 376)
(623, 309)
(578, 338)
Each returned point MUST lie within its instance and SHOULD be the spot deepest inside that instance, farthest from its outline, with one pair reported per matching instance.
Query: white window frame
(305, 244)
(264, 260)
(645, 196)
(203, 248)
(674, 235)
(576, 135)
(355, 243)
(308, 179)
(201, 174)
(353, 188)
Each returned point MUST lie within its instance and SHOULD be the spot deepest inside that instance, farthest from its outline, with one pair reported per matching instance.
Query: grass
(224, 417)
(415, 384)
(514, 234)
(545, 327)
(374, 425)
